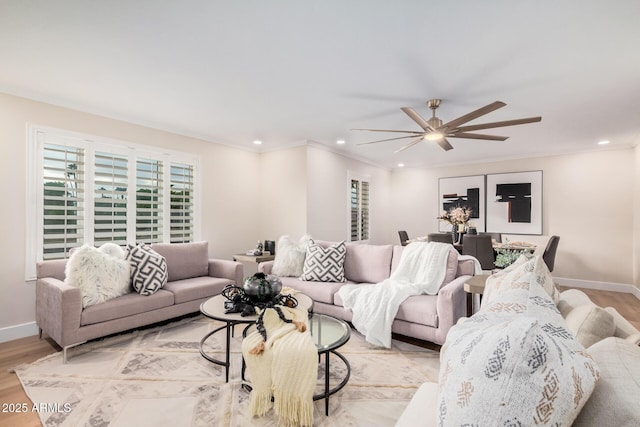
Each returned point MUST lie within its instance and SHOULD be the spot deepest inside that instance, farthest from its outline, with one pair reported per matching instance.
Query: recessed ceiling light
(400, 165)
(257, 142)
(340, 142)
(603, 142)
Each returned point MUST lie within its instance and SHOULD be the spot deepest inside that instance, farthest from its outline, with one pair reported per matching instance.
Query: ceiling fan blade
(444, 144)
(389, 139)
(478, 136)
(474, 114)
(417, 118)
(387, 130)
(498, 124)
(409, 145)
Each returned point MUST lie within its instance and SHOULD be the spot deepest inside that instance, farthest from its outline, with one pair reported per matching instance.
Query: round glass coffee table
(328, 334)
(213, 308)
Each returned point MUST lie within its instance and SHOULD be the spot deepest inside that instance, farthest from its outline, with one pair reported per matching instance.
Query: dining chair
(480, 247)
(403, 237)
(549, 255)
(440, 237)
(495, 236)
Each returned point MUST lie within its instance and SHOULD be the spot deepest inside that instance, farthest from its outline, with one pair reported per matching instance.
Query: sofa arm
(58, 310)
(265, 267)
(226, 269)
(451, 305)
(52, 268)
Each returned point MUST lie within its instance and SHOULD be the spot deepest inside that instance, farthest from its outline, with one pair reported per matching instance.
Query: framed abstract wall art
(514, 202)
(463, 191)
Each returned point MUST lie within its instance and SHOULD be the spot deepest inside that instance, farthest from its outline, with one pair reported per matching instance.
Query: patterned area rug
(157, 377)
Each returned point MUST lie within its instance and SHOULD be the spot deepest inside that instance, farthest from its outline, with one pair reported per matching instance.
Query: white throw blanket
(421, 270)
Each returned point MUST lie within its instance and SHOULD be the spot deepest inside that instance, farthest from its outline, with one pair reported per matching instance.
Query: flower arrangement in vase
(458, 217)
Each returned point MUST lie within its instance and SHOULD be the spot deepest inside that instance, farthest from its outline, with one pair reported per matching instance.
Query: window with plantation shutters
(359, 208)
(91, 191)
(149, 201)
(110, 188)
(62, 200)
(181, 204)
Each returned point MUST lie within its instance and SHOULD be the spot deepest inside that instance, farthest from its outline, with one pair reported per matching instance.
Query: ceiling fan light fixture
(433, 136)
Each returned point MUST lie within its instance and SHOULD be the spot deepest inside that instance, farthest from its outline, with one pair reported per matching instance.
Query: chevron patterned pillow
(324, 264)
(148, 269)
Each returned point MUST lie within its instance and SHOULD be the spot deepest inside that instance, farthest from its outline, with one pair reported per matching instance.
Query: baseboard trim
(600, 286)
(11, 333)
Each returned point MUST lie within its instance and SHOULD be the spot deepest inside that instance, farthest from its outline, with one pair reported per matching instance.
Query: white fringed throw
(285, 367)
(421, 270)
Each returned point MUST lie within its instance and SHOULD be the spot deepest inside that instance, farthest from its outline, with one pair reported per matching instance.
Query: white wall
(587, 201)
(328, 196)
(229, 193)
(636, 217)
(283, 193)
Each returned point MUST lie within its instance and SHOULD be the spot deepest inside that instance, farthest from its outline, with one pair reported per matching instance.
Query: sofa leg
(40, 333)
(64, 351)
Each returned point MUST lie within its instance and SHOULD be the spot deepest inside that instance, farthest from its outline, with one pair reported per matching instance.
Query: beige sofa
(193, 278)
(425, 317)
(612, 349)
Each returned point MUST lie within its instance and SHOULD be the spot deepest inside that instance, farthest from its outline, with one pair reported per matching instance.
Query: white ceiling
(289, 71)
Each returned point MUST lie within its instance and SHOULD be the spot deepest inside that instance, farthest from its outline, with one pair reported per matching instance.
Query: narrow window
(359, 204)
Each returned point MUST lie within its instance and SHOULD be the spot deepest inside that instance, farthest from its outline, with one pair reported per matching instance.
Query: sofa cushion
(367, 263)
(126, 305)
(317, 291)
(590, 324)
(514, 362)
(419, 309)
(290, 256)
(186, 290)
(614, 401)
(184, 260)
(324, 264)
(148, 269)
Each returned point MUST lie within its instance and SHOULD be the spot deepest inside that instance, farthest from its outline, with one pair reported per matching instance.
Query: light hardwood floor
(26, 350)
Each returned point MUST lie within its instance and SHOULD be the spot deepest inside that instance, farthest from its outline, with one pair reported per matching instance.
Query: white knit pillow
(100, 274)
(290, 256)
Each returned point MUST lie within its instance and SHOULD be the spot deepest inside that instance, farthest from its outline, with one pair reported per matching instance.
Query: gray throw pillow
(324, 264)
(148, 269)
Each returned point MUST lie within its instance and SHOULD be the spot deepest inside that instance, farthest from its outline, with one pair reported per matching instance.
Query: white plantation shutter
(149, 204)
(355, 204)
(359, 204)
(63, 200)
(182, 203)
(89, 190)
(110, 198)
(364, 210)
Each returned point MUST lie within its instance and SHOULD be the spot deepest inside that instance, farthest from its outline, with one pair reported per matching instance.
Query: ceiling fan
(434, 129)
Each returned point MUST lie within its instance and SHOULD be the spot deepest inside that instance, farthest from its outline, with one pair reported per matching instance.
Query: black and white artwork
(514, 202)
(463, 191)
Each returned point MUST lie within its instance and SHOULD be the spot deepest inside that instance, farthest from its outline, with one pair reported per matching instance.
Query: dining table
(515, 246)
